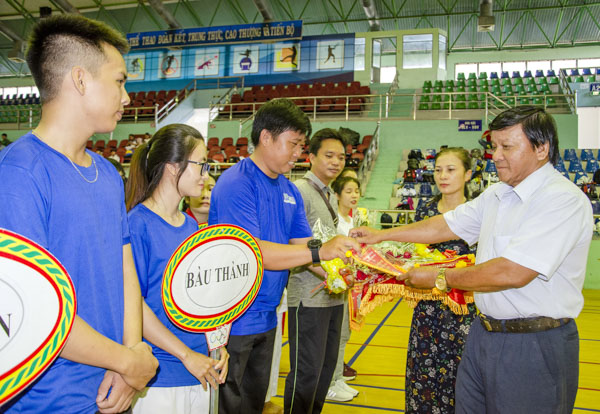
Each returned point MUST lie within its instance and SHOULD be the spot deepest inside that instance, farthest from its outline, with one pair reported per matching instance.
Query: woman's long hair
(172, 144)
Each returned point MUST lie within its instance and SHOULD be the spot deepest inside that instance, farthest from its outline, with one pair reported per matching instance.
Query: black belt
(521, 325)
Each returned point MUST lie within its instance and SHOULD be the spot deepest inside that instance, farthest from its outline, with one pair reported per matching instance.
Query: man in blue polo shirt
(256, 196)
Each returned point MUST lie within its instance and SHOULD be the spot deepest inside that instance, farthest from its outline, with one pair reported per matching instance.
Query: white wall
(588, 127)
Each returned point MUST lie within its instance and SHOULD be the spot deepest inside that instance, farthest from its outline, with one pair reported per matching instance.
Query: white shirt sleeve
(549, 232)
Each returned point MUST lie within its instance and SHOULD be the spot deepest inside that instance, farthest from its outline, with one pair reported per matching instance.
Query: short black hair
(321, 135)
(58, 43)
(340, 182)
(278, 116)
(538, 125)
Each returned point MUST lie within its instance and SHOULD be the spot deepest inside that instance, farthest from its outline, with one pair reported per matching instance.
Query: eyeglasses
(204, 166)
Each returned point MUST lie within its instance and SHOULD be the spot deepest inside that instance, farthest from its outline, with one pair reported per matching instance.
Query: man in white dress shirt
(533, 232)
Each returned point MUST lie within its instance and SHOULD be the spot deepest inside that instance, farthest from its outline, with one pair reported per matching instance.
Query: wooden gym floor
(378, 353)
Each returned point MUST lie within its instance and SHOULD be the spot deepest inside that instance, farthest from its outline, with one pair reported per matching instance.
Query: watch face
(314, 244)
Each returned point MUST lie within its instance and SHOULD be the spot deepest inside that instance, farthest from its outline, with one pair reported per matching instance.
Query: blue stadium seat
(591, 166)
(596, 207)
(587, 155)
(425, 190)
(586, 71)
(494, 75)
(574, 72)
(550, 73)
(560, 167)
(539, 73)
(490, 167)
(504, 75)
(575, 166)
(527, 74)
(578, 176)
(516, 74)
(570, 154)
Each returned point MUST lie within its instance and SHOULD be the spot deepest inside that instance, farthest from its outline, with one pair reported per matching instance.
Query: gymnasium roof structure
(519, 24)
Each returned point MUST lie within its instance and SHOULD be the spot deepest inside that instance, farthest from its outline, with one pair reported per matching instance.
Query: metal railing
(568, 92)
(367, 164)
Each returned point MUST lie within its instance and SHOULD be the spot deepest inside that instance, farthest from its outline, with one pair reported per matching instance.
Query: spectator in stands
(120, 170)
(113, 156)
(4, 142)
(70, 201)
(347, 190)
(198, 207)
(533, 231)
(431, 344)
(315, 315)
(170, 166)
(255, 195)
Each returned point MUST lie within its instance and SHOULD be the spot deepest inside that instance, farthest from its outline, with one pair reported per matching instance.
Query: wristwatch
(440, 280)
(314, 245)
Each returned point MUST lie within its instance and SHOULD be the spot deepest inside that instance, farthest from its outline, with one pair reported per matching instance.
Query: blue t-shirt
(84, 225)
(153, 241)
(270, 209)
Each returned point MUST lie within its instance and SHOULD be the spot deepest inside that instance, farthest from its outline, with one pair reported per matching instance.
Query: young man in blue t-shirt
(71, 201)
(255, 195)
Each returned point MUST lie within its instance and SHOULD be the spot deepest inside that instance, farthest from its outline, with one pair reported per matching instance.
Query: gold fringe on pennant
(412, 296)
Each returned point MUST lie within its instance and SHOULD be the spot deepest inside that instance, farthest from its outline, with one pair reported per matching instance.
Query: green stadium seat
(472, 82)
(507, 90)
(537, 101)
(578, 79)
(426, 90)
(472, 97)
(423, 107)
(550, 101)
(518, 81)
(460, 76)
(436, 98)
(460, 105)
(461, 82)
(427, 84)
(553, 80)
(472, 89)
(459, 89)
(495, 82)
(449, 88)
(483, 82)
(523, 100)
(438, 83)
(450, 83)
(496, 90)
(545, 88)
(531, 89)
(472, 75)
(425, 98)
(436, 105)
(542, 81)
(506, 82)
(591, 78)
(482, 75)
(484, 88)
(510, 100)
(459, 97)
(529, 81)
(437, 89)
(473, 105)
(519, 88)
(445, 98)
(446, 105)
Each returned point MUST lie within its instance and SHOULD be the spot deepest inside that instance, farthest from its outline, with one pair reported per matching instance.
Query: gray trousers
(519, 373)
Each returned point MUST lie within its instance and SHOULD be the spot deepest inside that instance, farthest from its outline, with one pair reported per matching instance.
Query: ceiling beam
(372, 15)
(7, 31)
(165, 14)
(65, 6)
(264, 10)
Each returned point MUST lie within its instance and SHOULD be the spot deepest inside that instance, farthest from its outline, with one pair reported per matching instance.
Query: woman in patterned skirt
(437, 335)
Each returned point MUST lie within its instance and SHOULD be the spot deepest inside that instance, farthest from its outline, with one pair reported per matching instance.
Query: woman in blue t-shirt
(170, 166)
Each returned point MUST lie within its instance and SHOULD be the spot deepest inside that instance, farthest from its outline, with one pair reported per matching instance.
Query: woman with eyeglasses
(198, 207)
(170, 166)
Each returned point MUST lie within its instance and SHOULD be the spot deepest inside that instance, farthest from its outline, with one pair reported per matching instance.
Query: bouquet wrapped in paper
(377, 267)
(338, 273)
